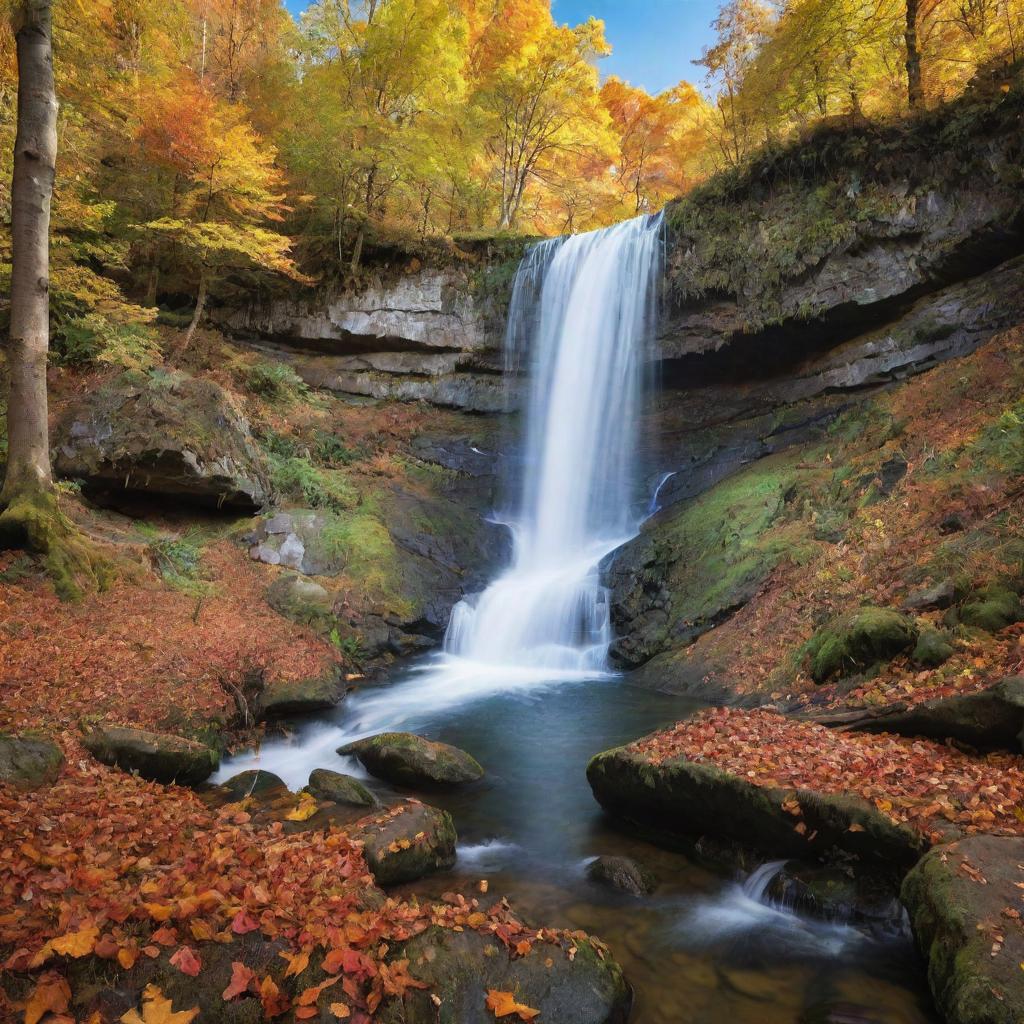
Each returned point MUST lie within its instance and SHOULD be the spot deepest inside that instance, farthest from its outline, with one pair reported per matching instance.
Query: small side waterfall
(582, 310)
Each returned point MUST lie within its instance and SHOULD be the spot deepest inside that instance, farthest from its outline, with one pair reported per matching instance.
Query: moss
(296, 477)
(276, 382)
(992, 608)
(932, 649)
(33, 520)
(859, 640)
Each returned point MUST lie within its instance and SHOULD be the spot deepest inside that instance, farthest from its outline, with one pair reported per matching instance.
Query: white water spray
(582, 310)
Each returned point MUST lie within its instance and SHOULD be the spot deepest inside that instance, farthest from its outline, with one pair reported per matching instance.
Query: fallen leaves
(52, 994)
(241, 979)
(503, 1004)
(187, 962)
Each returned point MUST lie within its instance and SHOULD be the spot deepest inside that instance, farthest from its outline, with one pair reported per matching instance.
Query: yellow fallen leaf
(76, 944)
(303, 810)
(157, 1009)
(340, 1010)
(297, 963)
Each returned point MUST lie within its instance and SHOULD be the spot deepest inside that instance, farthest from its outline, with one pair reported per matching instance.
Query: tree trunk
(197, 316)
(915, 93)
(35, 154)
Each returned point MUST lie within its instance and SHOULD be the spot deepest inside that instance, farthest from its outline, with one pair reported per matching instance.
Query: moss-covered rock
(990, 719)
(956, 914)
(832, 893)
(932, 648)
(622, 873)
(461, 967)
(254, 782)
(299, 599)
(406, 842)
(167, 435)
(683, 799)
(342, 789)
(858, 640)
(156, 756)
(27, 762)
(409, 760)
(302, 696)
(992, 608)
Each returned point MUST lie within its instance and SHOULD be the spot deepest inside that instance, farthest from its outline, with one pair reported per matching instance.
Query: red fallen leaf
(187, 962)
(244, 922)
(241, 979)
(351, 961)
(166, 935)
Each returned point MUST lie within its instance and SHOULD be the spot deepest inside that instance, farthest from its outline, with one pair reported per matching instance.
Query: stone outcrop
(159, 757)
(170, 436)
(682, 799)
(426, 334)
(406, 842)
(341, 789)
(957, 898)
(286, 697)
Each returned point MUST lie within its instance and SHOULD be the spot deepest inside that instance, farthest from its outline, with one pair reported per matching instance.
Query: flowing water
(523, 683)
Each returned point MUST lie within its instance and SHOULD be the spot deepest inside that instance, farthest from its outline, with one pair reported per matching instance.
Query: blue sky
(653, 41)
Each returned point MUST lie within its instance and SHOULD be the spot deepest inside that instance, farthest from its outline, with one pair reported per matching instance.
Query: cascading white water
(582, 309)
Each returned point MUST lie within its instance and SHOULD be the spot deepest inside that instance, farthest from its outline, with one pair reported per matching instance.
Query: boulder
(461, 967)
(938, 597)
(341, 789)
(301, 600)
(168, 435)
(156, 756)
(956, 897)
(406, 842)
(302, 696)
(992, 608)
(833, 893)
(989, 719)
(622, 873)
(409, 760)
(29, 763)
(296, 539)
(254, 782)
(932, 649)
(683, 799)
(858, 640)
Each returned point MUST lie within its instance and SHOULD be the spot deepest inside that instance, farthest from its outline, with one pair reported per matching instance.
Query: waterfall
(581, 313)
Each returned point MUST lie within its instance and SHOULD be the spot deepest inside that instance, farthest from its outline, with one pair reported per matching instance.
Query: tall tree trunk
(31, 517)
(915, 93)
(197, 316)
(35, 154)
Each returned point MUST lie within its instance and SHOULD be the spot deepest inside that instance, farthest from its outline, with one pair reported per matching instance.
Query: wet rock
(407, 842)
(461, 967)
(342, 789)
(302, 696)
(990, 719)
(955, 897)
(938, 597)
(159, 757)
(622, 873)
(254, 782)
(992, 608)
(858, 640)
(837, 894)
(681, 798)
(168, 436)
(409, 760)
(932, 649)
(29, 763)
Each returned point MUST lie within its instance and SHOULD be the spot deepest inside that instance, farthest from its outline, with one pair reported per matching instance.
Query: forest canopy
(207, 141)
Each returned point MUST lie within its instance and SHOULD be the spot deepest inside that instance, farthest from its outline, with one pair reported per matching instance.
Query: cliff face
(416, 333)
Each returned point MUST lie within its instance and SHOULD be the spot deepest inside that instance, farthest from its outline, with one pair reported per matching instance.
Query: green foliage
(92, 338)
(277, 382)
(296, 477)
(331, 450)
(178, 558)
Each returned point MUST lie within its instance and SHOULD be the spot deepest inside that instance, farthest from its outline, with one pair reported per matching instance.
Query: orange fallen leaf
(51, 995)
(76, 944)
(297, 963)
(341, 1011)
(241, 977)
(158, 1009)
(503, 1004)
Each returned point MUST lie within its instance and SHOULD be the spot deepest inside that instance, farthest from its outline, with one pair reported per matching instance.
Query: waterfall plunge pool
(704, 948)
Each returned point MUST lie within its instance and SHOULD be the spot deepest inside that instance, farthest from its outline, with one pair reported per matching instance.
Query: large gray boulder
(409, 760)
(287, 697)
(159, 757)
(958, 897)
(28, 763)
(168, 436)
